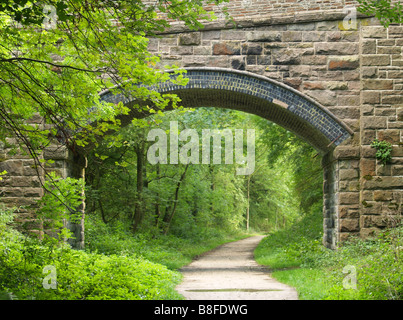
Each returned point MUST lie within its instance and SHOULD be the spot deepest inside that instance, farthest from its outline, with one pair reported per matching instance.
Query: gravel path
(230, 272)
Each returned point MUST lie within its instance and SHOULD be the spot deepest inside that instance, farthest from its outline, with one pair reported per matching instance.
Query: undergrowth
(116, 265)
(360, 269)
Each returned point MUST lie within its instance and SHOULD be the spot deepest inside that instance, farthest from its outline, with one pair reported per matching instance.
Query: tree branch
(51, 63)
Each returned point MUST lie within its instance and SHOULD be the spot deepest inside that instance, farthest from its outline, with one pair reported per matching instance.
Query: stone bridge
(336, 82)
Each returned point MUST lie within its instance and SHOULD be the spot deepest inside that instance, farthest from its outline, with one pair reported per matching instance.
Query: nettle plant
(383, 151)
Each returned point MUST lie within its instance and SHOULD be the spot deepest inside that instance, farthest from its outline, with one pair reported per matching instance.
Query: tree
(386, 11)
(51, 74)
(57, 56)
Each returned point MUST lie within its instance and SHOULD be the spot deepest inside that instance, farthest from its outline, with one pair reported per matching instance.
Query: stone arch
(274, 101)
(224, 88)
(252, 93)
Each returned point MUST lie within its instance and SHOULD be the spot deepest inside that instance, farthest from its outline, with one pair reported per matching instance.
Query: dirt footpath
(230, 272)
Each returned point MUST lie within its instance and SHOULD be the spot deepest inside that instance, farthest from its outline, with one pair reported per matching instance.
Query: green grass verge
(368, 269)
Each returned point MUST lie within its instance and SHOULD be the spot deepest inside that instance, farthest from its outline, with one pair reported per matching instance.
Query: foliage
(385, 11)
(210, 196)
(79, 275)
(60, 204)
(383, 151)
(51, 74)
(172, 251)
(319, 273)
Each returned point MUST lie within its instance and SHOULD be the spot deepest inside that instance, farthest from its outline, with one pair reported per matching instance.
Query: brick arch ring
(256, 94)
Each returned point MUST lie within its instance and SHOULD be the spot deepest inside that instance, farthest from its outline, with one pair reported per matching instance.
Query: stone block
(263, 36)
(324, 97)
(367, 167)
(292, 36)
(13, 167)
(252, 49)
(348, 174)
(344, 63)
(392, 99)
(315, 36)
(233, 35)
(377, 84)
(313, 85)
(368, 47)
(56, 153)
(375, 60)
(395, 31)
(371, 97)
(349, 198)
(374, 221)
(331, 48)
(346, 152)
(391, 136)
(389, 50)
(286, 57)
(374, 122)
(349, 225)
(337, 85)
(397, 171)
(367, 136)
(374, 32)
(349, 211)
(383, 195)
(318, 60)
(227, 48)
(386, 183)
(368, 152)
(181, 51)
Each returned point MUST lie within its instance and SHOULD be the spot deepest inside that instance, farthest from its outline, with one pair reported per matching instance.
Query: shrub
(79, 275)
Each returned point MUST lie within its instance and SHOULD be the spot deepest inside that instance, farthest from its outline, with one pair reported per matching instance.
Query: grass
(309, 283)
(368, 269)
(170, 251)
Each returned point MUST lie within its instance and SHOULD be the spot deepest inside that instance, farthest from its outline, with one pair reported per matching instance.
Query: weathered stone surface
(344, 63)
(367, 168)
(375, 60)
(349, 197)
(392, 136)
(263, 36)
(325, 97)
(383, 195)
(227, 48)
(336, 48)
(349, 225)
(377, 84)
(374, 122)
(374, 32)
(286, 57)
(193, 38)
(383, 183)
(343, 152)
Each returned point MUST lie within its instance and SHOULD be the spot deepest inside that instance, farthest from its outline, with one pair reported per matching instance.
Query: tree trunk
(77, 170)
(170, 216)
(157, 202)
(138, 210)
(247, 203)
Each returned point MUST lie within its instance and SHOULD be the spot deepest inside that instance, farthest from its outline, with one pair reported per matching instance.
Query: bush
(378, 264)
(79, 275)
(360, 269)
